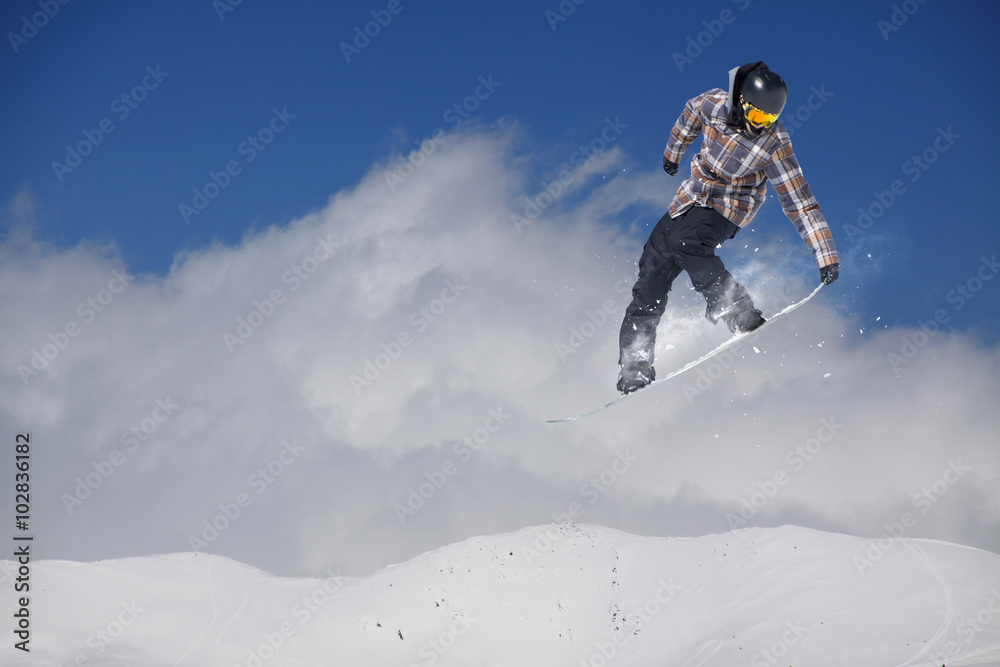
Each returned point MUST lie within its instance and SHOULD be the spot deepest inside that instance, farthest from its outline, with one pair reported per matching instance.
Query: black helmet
(765, 90)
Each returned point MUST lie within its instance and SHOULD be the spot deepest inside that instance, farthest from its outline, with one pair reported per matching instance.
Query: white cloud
(454, 312)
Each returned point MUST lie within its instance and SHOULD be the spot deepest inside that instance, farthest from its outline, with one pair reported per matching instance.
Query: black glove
(829, 274)
(669, 167)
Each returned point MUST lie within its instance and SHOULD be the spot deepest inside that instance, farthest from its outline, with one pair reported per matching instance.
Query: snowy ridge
(562, 594)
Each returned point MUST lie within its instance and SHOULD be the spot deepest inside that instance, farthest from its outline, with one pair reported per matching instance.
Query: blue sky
(888, 91)
(380, 324)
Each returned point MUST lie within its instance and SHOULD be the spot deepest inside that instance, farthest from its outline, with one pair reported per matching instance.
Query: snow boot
(635, 375)
(743, 321)
(730, 302)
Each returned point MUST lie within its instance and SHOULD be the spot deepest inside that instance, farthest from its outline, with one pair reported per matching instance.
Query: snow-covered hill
(563, 594)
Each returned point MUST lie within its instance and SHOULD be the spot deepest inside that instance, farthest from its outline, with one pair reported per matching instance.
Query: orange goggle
(757, 117)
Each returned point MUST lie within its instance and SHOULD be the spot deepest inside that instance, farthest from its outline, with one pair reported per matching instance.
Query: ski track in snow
(215, 611)
(937, 646)
(691, 663)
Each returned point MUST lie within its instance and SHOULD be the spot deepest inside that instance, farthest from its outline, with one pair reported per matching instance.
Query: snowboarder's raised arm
(800, 205)
(685, 130)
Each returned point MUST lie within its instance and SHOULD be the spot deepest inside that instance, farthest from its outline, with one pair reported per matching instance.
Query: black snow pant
(685, 243)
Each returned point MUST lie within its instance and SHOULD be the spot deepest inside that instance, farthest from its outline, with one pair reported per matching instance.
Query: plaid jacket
(730, 172)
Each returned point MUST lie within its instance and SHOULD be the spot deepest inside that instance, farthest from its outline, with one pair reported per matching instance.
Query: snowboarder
(743, 147)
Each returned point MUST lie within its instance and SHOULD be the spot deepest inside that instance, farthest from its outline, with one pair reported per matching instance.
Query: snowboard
(721, 348)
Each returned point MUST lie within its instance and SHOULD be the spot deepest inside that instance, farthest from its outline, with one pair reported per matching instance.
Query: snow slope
(563, 594)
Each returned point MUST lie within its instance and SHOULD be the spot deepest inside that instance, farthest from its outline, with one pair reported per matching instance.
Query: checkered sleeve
(685, 130)
(799, 204)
